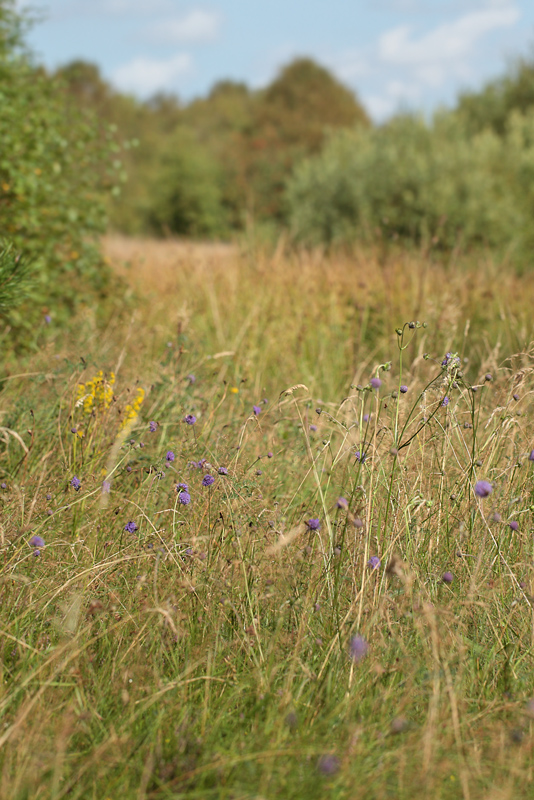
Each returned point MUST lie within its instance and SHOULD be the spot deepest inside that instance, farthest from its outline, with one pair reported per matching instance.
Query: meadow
(268, 531)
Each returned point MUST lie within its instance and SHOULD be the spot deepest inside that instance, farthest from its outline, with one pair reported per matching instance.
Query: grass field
(337, 600)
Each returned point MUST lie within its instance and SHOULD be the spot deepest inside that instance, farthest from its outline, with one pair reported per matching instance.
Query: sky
(395, 54)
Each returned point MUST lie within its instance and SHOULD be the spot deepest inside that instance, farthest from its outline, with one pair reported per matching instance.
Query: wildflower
(48, 319)
(328, 765)
(341, 502)
(531, 456)
(130, 527)
(514, 525)
(488, 376)
(106, 487)
(516, 397)
(37, 541)
(403, 389)
(36, 553)
(269, 454)
(358, 648)
(182, 487)
(376, 383)
(96, 394)
(445, 401)
(483, 488)
(367, 417)
(259, 472)
(131, 412)
(3, 485)
(169, 456)
(48, 496)
(191, 378)
(313, 428)
(76, 483)
(184, 498)
(496, 517)
(234, 390)
(153, 426)
(74, 430)
(374, 563)
(447, 577)
(208, 480)
(451, 361)
(314, 524)
(358, 523)
(256, 409)
(361, 457)
(190, 419)
(223, 471)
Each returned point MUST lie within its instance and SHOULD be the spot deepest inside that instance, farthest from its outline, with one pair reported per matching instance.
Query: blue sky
(414, 54)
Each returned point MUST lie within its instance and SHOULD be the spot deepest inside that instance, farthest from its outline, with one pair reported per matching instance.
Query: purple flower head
(361, 457)
(190, 419)
(184, 498)
(76, 483)
(182, 487)
(153, 426)
(313, 428)
(191, 378)
(130, 527)
(374, 563)
(106, 487)
(169, 456)
(269, 454)
(376, 383)
(531, 456)
(328, 764)
(36, 553)
(37, 541)
(208, 480)
(259, 472)
(3, 485)
(48, 319)
(358, 648)
(342, 502)
(314, 524)
(367, 417)
(445, 401)
(451, 360)
(483, 488)
(403, 389)
(447, 577)
(223, 470)
(256, 409)
(74, 430)
(514, 525)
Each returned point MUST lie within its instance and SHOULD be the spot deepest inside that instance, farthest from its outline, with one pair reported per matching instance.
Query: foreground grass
(225, 648)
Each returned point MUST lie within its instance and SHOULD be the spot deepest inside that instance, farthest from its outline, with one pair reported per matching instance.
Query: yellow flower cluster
(96, 394)
(132, 409)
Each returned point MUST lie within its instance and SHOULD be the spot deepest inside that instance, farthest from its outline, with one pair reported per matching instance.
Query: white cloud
(110, 8)
(145, 76)
(196, 26)
(447, 42)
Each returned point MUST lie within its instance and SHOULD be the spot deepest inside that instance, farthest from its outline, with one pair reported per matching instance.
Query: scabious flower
(223, 471)
(256, 409)
(106, 487)
(514, 525)
(451, 361)
(313, 428)
(483, 488)
(361, 457)
(208, 480)
(130, 527)
(76, 484)
(169, 456)
(190, 419)
(445, 401)
(191, 378)
(37, 541)
(328, 764)
(367, 417)
(403, 389)
(376, 383)
(447, 577)
(531, 456)
(314, 524)
(153, 426)
(184, 498)
(342, 502)
(374, 563)
(269, 454)
(358, 648)
(182, 487)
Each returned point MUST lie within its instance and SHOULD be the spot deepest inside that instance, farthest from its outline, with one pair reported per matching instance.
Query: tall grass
(233, 647)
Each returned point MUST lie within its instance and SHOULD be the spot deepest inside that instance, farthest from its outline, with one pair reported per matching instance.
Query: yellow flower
(234, 389)
(132, 409)
(96, 394)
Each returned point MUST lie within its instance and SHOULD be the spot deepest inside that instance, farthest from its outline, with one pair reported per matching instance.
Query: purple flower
(514, 525)
(361, 457)
(191, 378)
(130, 527)
(223, 471)
(36, 553)
(190, 419)
(451, 360)
(106, 487)
(374, 562)
(447, 577)
(37, 541)
(445, 401)
(483, 488)
(74, 430)
(358, 648)
(342, 502)
(313, 428)
(256, 409)
(366, 417)
(328, 764)
(3, 485)
(376, 383)
(403, 389)
(208, 480)
(531, 456)
(184, 498)
(169, 456)
(153, 426)
(314, 524)
(182, 487)
(48, 319)
(269, 454)
(76, 483)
